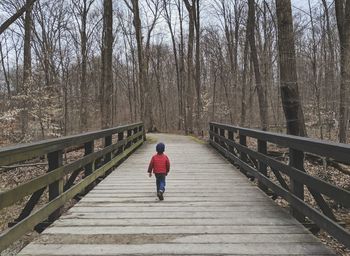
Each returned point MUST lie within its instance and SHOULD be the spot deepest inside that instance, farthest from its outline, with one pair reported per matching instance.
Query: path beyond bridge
(210, 208)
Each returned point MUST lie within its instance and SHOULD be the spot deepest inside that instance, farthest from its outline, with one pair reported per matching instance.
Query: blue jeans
(160, 181)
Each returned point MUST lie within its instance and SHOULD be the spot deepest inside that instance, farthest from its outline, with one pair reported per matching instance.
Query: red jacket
(159, 164)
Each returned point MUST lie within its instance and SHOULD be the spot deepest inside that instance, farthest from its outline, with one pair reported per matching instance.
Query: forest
(70, 66)
(74, 66)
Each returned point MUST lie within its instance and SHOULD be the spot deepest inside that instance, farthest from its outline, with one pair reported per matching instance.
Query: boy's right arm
(150, 167)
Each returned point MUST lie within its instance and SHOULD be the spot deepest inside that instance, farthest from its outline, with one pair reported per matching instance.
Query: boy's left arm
(167, 166)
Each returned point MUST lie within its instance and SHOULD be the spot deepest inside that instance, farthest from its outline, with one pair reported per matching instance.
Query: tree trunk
(107, 60)
(27, 67)
(244, 80)
(260, 89)
(5, 72)
(196, 14)
(83, 87)
(182, 67)
(178, 83)
(140, 57)
(189, 89)
(288, 72)
(342, 8)
(314, 72)
(330, 66)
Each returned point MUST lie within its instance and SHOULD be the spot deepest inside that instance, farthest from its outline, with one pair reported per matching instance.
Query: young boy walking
(160, 165)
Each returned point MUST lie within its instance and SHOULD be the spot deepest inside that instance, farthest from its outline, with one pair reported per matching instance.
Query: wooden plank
(249, 208)
(284, 223)
(175, 238)
(203, 229)
(178, 249)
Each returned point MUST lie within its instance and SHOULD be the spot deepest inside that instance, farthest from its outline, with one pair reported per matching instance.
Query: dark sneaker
(160, 196)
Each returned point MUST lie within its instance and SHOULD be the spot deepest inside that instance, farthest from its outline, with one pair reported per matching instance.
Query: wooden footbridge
(210, 206)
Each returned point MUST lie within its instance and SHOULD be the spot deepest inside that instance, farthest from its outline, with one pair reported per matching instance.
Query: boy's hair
(160, 147)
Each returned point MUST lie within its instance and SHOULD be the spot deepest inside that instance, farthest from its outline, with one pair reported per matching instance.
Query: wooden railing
(61, 180)
(231, 141)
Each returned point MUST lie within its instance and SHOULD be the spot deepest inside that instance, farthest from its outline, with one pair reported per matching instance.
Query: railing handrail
(255, 162)
(22, 152)
(337, 151)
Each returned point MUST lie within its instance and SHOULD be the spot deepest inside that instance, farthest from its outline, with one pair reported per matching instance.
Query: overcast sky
(303, 4)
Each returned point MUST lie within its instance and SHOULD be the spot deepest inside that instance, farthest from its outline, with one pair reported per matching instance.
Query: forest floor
(13, 177)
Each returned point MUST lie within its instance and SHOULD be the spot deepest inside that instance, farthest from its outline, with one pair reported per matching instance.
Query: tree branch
(14, 17)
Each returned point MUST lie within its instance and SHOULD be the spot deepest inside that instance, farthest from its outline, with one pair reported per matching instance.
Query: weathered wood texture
(60, 192)
(299, 179)
(210, 208)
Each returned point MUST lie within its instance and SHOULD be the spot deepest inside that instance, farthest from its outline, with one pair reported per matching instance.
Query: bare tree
(191, 9)
(143, 53)
(244, 79)
(197, 80)
(288, 73)
(106, 67)
(27, 67)
(5, 72)
(167, 13)
(330, 61)
(314, 70)
(342, 8)
(81, 8)
(140, 55)
(260, 89)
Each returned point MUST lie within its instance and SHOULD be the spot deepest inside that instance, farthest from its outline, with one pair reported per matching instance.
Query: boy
(160, 165)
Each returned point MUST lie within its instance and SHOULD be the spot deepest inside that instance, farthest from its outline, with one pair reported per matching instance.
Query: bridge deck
(209, 209)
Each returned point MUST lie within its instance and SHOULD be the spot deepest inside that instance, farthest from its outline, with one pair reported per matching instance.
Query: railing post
(231, 138)
(141, 136)
(296, 160)
(120, 137)
(136, 129)
(144, 131)
(89, 149)
(242, 155)
(243, 142)
(211, 130)
(222, 133)
(262, 148)
(55, 160)
(88, 169)
(128, 134)
(231, 148)
(108, 156)
(216, 129)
